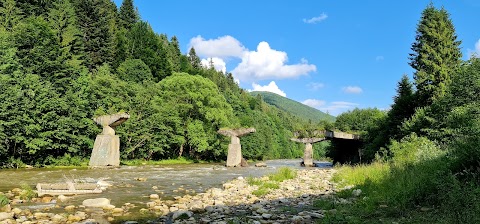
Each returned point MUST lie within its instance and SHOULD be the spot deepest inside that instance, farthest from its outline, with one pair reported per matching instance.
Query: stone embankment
(291, 202)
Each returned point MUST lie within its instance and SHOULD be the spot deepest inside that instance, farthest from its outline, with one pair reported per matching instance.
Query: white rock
(6, 215)
(356, 192)
(266, 216)
(62, 198)
(154, 196)
(97, 202)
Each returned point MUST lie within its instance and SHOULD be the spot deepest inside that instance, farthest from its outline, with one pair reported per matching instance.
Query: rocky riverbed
(291, 202)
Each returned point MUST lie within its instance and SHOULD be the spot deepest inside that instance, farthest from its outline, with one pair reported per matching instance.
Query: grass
(415, 186)
(27, 192)
(273, 182)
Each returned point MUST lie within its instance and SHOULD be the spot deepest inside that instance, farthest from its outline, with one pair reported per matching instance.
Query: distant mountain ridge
(295, 108)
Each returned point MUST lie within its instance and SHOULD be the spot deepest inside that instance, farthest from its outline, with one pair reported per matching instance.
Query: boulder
(261, 164)
(243, 163)
(6, 215)
(97, 202)
(181, 213)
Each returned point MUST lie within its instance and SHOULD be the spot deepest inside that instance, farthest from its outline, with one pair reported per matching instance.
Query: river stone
(59, 218)
(261, 164)
(97, 202)
(6, 215)
(180, 213)
(62, 198)
(154, 196)
(108, 207)
(117, 210)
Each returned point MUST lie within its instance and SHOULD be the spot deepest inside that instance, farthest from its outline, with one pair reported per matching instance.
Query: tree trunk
(181, 151)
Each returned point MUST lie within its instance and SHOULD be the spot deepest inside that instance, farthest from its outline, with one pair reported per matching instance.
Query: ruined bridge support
(308, 153)
(106, 150)
(234, 154)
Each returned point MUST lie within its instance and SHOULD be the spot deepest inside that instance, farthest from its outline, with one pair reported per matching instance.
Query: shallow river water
(167, 181)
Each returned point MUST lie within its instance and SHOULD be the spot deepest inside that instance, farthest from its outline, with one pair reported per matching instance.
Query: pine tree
(97, 25)
(194, 59)
(436, 54)
(35, 7)
(10, 14)
(175, 54)
(128, 14)
(63, 20)
(402, 108)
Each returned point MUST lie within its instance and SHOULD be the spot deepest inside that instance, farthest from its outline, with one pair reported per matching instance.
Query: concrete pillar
(106, 149)
(234, 153)
(308, 152)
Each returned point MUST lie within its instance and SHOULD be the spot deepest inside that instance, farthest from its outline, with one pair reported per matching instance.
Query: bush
(27, 192)
(413, 150)
(284, 173)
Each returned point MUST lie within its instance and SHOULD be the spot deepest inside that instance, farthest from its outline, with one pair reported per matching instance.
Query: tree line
(62, 62)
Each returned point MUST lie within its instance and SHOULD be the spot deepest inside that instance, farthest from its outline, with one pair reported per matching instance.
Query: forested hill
(295, 108)
(64, 62)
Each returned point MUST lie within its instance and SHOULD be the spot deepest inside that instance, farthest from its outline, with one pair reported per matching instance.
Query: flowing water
(166, 180)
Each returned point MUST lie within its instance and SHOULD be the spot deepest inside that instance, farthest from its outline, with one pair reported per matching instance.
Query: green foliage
(64, 62)
(134, 70)
(27, 192)
(436, 55)
(284, 173)
(3, 200)
(10, 14)
(273, 182)
(128, 14)
(298, 109)
(359, 120)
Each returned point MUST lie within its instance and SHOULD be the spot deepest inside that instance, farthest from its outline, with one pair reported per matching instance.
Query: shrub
(27, 192)
(284, 173)
(3, 200)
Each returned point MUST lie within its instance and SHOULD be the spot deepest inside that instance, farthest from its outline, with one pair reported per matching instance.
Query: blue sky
(331, 55)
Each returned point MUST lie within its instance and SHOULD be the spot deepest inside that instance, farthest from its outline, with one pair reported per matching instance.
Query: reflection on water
(166, 180)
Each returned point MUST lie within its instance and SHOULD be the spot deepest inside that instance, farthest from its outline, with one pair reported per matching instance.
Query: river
(166, 180)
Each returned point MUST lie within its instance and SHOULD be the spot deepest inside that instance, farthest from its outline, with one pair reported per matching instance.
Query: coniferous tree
(175, 54)
(403, 107)
(10, 14)
(35, 7)
(128, 14)
(194, 59)
(95, 23)
(436, 54)
(63, 20)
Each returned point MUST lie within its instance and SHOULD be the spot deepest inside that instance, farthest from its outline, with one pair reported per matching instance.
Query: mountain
(297, 109)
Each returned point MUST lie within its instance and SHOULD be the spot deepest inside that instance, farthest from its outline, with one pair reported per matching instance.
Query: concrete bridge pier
(308, 153)
(234, 153)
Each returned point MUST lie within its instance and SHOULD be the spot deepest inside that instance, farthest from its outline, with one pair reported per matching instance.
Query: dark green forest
(63, 62)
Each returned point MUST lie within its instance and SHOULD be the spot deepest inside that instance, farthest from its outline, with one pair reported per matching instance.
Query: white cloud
(476, 51)
(267, 63)
(317, 19)
(271, 87)
(336, 108)
(352, 89)
(314, 103)
(222, 47)
(379, 58)
(315, 85)
(218, 63)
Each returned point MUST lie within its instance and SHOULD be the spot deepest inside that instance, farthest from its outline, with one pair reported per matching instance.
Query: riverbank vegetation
(422, 156)
(64, 62)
